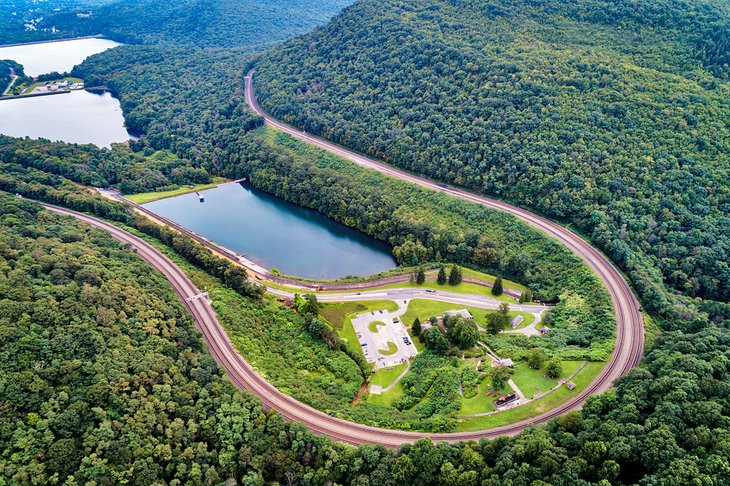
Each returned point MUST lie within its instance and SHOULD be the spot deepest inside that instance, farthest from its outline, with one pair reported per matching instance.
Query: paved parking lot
(393, 331)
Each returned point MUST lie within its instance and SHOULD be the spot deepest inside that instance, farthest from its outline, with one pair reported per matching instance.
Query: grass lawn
(385, 376)
(481, 403)
(340, 318)
(532, 381)
(147, 197)
(337, 314)
(536, 407)
(392, 348)
(347, 332)
(388, 397)
(423, 309)
(462, 288)
(373, 326)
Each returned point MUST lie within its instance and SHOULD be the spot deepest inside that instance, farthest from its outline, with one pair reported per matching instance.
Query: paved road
(243, 376)
(629, 333)
(629, 321)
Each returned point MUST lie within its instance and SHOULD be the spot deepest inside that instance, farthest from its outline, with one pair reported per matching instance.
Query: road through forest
(629, 332)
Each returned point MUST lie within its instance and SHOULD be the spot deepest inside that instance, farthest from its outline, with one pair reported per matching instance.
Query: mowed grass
(340, 315)
(462, 288)
(373, 326)
(385, 376)
(534, 408)
(147, 197)
(336, 314)
(424, 309)
(481, 403)
(392, 348)
(532, 382)
(388, 397)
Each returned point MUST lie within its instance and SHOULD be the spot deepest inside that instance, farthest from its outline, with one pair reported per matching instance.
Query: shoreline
(50, 41)
(33, 95)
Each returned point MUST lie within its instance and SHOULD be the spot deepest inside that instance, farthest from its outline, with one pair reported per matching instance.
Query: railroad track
(629, 322)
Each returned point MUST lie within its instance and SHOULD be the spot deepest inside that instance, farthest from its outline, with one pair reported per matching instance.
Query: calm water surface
(275, 233)
(54, 56)
(76, 117)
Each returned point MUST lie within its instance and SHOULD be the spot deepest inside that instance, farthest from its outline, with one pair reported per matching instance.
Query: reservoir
(76, 117)
(274, 233)
(47, 57)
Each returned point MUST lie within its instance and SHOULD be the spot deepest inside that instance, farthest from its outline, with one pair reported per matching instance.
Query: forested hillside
(104, 379)
(606, 115)
(200, 23)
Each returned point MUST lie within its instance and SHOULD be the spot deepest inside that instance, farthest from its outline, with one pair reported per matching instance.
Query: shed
(516, 321)
(506, 362)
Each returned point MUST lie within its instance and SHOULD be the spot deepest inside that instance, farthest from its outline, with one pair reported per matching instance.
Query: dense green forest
(104, 379)
(199, 23)
(582, 322)
(100, 415)
(599, 114)
(22, 20)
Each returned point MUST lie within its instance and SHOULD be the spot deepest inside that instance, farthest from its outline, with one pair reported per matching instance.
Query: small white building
(516, 322)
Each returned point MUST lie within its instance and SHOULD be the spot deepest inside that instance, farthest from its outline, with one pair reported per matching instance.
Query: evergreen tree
(497, 287)
(416, 327)
(455, 275)
(441, 279)
(420, 277)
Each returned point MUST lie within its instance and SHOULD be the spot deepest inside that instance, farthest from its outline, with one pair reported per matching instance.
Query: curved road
(629, 321)
(629, 332)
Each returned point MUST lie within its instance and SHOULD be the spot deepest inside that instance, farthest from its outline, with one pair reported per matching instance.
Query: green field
(481, 403)
(462, 288)
(373, 326)
(392, 348)
(388, 397)
(532, 382)
(147, 197)
(423, 309)
(337, 314)
(385, 376)
(340, 317)
(537, 407)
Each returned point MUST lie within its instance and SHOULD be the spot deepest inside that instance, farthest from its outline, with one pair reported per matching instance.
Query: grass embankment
(462, 288)
(147, 197)
(534, 408)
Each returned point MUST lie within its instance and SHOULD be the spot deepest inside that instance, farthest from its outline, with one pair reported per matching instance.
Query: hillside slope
(612, 116)
(201, 23)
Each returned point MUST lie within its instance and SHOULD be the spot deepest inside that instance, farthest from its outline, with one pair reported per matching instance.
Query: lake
(60, 56)
(275, 233)
(76, 117)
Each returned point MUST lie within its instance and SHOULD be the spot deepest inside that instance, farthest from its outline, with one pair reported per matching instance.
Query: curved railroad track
(629, 331)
